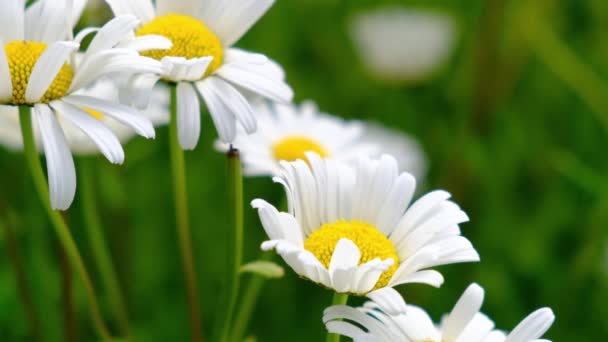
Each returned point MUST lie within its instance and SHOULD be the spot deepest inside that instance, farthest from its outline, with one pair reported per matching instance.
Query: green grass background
(514, 127)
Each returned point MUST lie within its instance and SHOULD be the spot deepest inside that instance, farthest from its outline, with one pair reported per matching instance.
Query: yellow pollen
(191, 39)
(22, 56)
(371, 243)
(97, 115)
(294, 147)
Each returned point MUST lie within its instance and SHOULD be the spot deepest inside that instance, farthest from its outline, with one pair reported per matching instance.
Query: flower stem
(178, 166)
(248, 303)
(339, 299)
(61, 229)
(67, 295)
(99, 246)
(235, 193)
(12, 248)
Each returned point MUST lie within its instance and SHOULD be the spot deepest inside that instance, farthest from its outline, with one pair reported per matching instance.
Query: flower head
(287, 132)
(399, 44)
(40, 68)
(203, 62)
(351, 228)
(463, 324)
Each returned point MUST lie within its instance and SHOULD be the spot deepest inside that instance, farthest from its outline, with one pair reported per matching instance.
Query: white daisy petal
(164, 7)
(6, 84)
(112, 33)
(59, 162)
(463, 312)
(222, 117)
(123, 114)
(236, 102)
(188, 116)
(533, 326)
(389, 300)
(147, 42)
(256, 82)
(230, 20)
(179, 69)
(103, 137)
(343, 263)
(12, 19)
(142, 9)
(46, 69)
(49, 21)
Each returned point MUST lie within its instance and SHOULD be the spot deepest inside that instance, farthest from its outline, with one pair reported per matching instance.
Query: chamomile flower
(203, 62)
(287, 132)
(352, 229)
(463, 324)
(39, 69)
(80, 143)
(400, 44)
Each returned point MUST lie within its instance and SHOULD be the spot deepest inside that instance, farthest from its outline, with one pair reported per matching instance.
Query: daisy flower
(79, 142)
(39, 69)
(400, 44)
(287, 132)
(463, 324)
(203, 62)
(351, 228)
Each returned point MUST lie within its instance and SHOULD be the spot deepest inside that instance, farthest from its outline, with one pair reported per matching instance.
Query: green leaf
(266, 269)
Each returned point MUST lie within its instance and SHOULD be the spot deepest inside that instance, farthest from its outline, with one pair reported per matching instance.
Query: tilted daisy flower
(351, 228)
(401, 44)
(80, 143)
(203, 62)
(39, 69)
(287, 132)
(372, 323)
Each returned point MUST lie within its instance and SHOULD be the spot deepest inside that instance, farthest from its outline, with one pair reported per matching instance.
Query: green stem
(339, 299)
(248, 303)
(99, 246)
(61, 229)
(67, 295)
(235, 193)
(178, 166)
(12, 248)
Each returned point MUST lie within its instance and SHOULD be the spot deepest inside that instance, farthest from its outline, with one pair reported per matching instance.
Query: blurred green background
(513, 127)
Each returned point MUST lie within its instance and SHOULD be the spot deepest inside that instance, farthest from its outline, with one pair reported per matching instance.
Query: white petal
(112, 33)
(46, 69)
(59, 161)
(138, 90)
(230, 20)
(49, 21)
(429, 277)
(104, 138)
(533, 326)
(6, 84)
(236, 102)
(179, 69)
(142, 9)
(224, 120)
(123, 114)
(187, 7)
(12, 17)
(147, 42)
(465, 309)
(389, 300)
(188, 116)
(343, 265)
(256, 82)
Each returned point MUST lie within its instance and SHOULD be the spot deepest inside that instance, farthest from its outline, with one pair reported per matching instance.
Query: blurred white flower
(463, 324)
(401, 44)
(287, 132)
(203, 62)
(352, 228)
(40, 68)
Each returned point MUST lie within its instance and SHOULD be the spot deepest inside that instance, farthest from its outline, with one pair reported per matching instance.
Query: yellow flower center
(294, 147)
(371, 243)
(191, 39)
(22, 56)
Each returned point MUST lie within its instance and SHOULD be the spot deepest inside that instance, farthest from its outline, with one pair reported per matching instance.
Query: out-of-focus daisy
(352, 229)
(202, 61)
(400, 44)
(80, 143)
(39, 68)
(287, 132)
(463, 324)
